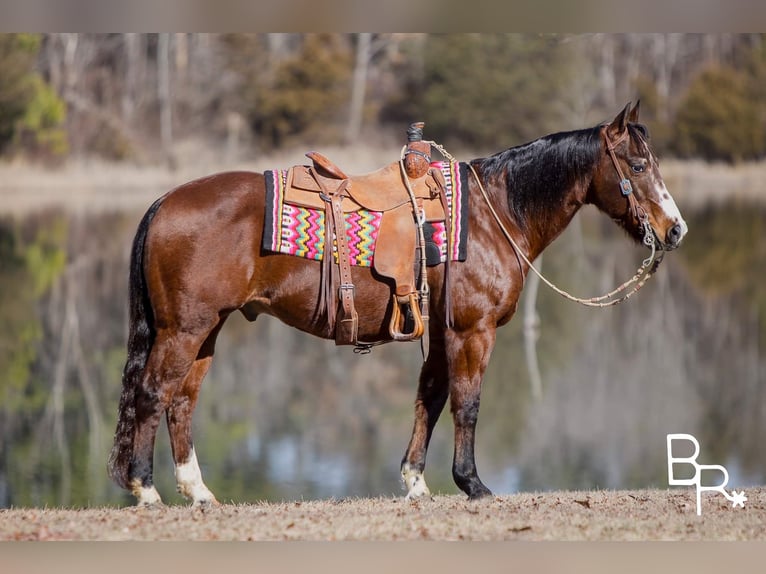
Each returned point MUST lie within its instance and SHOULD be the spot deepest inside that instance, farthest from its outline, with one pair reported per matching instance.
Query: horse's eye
(637, 168)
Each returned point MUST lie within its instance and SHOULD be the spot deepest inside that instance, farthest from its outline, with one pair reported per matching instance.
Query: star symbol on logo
(738, 499)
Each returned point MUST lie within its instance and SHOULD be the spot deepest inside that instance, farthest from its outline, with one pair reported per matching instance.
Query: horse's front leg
(468, 355)
(433, 389)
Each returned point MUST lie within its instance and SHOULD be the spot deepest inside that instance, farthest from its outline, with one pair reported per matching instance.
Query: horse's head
(628, 185)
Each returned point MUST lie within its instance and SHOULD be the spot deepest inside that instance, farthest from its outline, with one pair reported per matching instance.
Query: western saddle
(407, 193)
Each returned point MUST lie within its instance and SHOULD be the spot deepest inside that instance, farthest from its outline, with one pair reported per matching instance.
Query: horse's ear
(633, 116)
(620, 123)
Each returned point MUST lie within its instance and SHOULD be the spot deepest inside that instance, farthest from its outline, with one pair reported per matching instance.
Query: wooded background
(137, 96)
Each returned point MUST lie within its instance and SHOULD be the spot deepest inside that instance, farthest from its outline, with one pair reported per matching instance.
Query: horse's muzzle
(674, 236)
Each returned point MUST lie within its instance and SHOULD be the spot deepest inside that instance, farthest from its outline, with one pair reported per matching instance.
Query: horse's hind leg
(172, 356)
(179, 419)
(433, 389)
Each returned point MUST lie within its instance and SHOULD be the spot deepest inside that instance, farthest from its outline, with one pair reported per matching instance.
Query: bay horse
(197, 258)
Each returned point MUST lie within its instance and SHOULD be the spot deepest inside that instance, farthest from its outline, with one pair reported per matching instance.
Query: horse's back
(214, 195)
(211, 204)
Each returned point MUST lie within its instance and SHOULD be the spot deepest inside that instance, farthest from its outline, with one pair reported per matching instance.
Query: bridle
(626, 188)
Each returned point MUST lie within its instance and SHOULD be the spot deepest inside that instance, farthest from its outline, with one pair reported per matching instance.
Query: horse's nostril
(674, 234)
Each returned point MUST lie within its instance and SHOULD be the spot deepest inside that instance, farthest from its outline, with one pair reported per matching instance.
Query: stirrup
(397, 320)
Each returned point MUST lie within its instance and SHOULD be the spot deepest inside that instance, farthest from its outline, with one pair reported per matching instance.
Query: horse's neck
(543, 183)
(556, 220)
(538, 229)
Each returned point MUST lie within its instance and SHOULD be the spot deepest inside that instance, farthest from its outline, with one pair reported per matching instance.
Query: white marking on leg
(145, 495)
(415, 482)
(189, 481)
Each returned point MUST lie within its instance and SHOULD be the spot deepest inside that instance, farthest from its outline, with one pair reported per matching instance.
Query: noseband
(638, 212)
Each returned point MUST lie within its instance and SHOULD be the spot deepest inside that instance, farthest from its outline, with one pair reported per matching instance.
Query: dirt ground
(565, 516)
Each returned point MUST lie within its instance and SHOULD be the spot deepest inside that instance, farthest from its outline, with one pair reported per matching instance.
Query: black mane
(537, 173)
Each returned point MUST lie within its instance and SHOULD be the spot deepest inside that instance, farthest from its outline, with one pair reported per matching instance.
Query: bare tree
(532, 331)
(134, 72)
(164, 93)
(358, 86)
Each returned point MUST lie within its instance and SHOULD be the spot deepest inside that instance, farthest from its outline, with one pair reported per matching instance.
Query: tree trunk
(532, 332)
(132, 64)
(358, 87)
(164, 94)
(606, 70)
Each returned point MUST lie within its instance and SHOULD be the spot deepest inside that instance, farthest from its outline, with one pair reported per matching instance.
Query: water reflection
(286, 416)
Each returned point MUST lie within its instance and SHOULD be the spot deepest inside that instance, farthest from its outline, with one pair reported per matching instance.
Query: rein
(648, 267)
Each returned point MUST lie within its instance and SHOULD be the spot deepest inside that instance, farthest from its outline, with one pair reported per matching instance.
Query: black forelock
(640, 134)
(641, 129)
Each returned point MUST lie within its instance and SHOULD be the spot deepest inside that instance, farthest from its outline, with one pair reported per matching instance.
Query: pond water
(285, 416)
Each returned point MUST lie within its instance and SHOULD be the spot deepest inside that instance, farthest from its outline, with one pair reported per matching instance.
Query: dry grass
(594, 516)
(696, 183)
(96, 187)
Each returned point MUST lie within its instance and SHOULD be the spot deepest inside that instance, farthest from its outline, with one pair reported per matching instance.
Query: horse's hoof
(146, 496)
(206, 504)
(417, 489)
(415, 483)
(480, 494)
(414, 495)
(158, 505)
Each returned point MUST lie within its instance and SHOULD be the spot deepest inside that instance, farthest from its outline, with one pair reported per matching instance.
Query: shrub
(17, 57)
(307, 94)
(718, 119)
(31, 113)
(488, 90)
(41, 129)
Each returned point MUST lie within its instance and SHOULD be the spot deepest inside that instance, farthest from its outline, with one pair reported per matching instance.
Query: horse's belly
(289, 288)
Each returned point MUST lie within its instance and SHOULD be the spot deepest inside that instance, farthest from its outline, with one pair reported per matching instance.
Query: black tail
(140, 340)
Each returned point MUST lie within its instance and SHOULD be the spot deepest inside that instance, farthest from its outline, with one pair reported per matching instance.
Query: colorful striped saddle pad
(298, 230)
